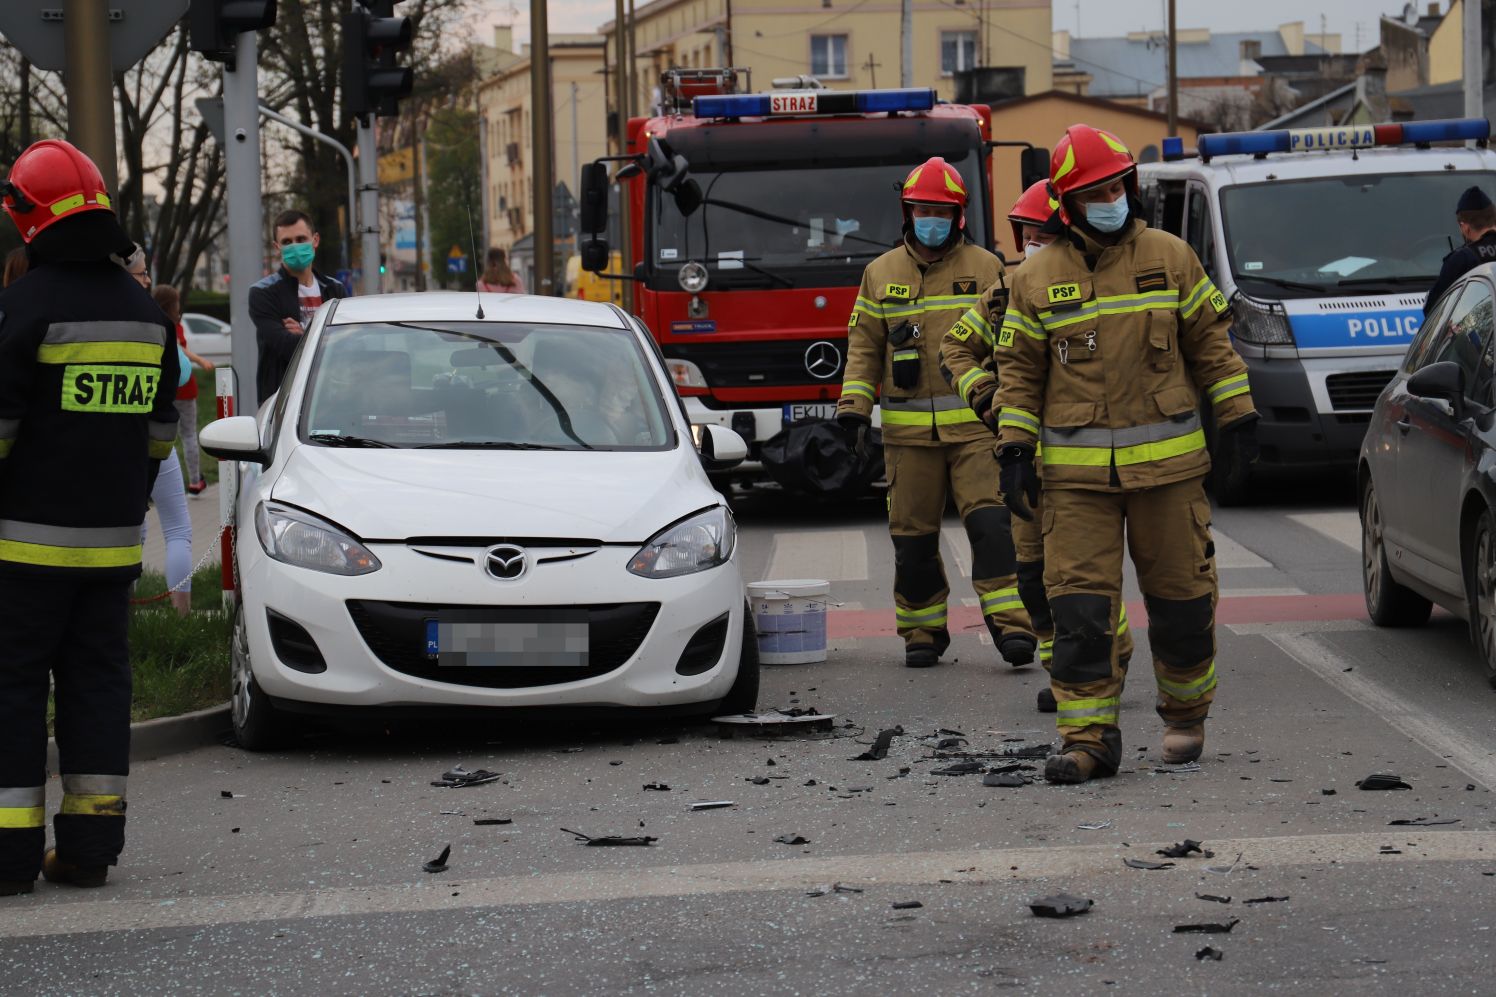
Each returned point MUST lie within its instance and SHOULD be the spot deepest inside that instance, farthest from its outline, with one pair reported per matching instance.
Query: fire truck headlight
(693, 277)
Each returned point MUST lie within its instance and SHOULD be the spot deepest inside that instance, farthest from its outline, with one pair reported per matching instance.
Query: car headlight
(1262, 322)
(295, 537)
(697, 543)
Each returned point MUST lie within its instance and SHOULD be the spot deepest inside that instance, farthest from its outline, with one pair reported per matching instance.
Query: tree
(453, 181)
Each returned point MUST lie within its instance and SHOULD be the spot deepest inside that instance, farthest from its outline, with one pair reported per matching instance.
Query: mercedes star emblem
(823, 360)
(505, 562)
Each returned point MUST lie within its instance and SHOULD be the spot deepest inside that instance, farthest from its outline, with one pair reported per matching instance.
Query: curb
(167, 735)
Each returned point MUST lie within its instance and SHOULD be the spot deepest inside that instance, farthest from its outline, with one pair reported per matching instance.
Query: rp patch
(1005, 336)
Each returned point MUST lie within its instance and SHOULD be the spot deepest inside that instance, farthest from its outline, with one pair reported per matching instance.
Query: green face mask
(298, 255)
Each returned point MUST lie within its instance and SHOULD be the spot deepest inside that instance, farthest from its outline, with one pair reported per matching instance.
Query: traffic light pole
(90, 93)
(368, 204)
(241, 127)
(541, 108)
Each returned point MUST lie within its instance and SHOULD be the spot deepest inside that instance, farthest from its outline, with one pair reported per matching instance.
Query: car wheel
(743, 696)
(1388, 603)
(1482, 588)
(258, 726)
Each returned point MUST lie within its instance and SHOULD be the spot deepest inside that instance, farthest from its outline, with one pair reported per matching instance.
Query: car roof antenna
(473, 241)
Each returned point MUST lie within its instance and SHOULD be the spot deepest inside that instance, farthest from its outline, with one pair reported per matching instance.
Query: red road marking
(844, 623)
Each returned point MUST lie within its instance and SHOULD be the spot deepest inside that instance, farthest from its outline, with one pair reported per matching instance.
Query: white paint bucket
(791, 620)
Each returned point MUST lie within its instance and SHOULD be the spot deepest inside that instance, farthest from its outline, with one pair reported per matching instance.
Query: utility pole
(633, 62)
(1173, 74)
(906, 35)
(625, 233)
(88, 79)
(241, 155)
(576, 173)
(541, 139)
(1474, 71)
(368, 203)
(872, 68)
(25, 96)
(418, 199)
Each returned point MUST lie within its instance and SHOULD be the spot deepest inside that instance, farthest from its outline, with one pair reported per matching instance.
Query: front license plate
(558, 641)
(808, 410)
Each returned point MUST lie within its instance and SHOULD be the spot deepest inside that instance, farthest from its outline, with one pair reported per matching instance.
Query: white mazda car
(458, 501)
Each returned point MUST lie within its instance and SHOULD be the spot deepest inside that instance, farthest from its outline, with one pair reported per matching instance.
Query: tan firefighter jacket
(902, 293)
(1114, 361)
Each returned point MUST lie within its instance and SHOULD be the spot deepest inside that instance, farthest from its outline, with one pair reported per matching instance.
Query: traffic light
(373, 82)
(215, 23)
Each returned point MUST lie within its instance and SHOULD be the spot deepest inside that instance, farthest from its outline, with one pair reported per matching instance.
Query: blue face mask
(932, 231)
(1107, 216)
(298, 255)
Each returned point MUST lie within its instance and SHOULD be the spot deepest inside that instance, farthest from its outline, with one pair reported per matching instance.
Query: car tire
(1388, 603)
(1480, 576)
(258, 726)
(743, 696)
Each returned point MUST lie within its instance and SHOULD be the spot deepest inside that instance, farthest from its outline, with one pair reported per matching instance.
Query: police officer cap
(1474, 199)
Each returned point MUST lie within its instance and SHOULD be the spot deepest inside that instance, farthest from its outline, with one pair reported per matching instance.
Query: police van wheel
(743, 696)
(258, 726)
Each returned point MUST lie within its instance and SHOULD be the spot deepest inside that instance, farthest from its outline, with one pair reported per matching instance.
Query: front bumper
(1301, 420)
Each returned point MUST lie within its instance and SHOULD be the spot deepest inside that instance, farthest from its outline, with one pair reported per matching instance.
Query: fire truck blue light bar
(789, 103)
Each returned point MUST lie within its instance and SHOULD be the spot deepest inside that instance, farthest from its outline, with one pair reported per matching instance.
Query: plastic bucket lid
(794, 588)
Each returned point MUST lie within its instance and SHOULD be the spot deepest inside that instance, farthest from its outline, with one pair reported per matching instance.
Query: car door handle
(1404, 425)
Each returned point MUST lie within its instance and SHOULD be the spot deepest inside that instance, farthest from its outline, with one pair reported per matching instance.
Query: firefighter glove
(1242, 436)
(982, 406)
(1019, 479)
(856, 427)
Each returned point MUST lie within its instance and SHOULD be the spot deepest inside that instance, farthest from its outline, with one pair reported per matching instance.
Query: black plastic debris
(657, 787)
(758, 780)
(1212, 898)
(1026, 751)
(1187, 847)
(811, 782)
(611, 839)
(1060, 905)
(771, 762)
(952, 733)
(1327, 792)
(1012, 767)
(960, 768)
(226, 794)
(1207, 928)
(713, 805)
(439, 864)
(946, 743)
(908, 905)
(879, 750)
(1207, 952)
(459, 776)
(792, 839)
(774, 723)
(1382, 781)
(1145, 864)
(1265, 900)
(493, 821)
(819, 457)
(1423, 821)
(1389, 850)
(1004, 780)
(839, 888)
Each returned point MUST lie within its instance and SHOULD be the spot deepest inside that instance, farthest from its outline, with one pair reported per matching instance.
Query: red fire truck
(751, 217)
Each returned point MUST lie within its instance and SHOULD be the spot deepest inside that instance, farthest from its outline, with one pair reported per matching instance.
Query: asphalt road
(309, 878)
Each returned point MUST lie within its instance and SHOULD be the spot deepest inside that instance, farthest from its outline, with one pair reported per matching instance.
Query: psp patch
(897, 291)
(1158, 281)
(961, 332)
(851, 322)
(964, 287)
(1063, 294)
(1218, 302)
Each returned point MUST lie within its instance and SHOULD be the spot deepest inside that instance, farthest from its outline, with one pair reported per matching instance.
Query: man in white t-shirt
(282, 305)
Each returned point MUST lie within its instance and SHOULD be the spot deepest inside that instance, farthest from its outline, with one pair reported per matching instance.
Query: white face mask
(1029, 249)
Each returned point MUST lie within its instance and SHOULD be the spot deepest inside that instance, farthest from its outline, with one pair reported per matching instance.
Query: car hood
(400, 494)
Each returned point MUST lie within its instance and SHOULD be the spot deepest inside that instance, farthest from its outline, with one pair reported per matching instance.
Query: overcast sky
(1088, 18)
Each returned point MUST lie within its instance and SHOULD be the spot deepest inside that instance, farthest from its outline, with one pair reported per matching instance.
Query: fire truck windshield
(790, 226)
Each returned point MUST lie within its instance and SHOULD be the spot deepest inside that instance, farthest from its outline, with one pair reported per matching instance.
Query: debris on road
(879, 750)
(1265, 900)
(1423, 821)
(459, 776)
(757, 780)
(967, 767)
(493, 821)
(1145, 864)
(227, 795)
(713, 805)
(1060, 905)
(1327, 792)
(439, 864)
(1095, 825)
(1210, 953)
(1184, 849)
(821, 891)
(658, 787)
(1382, 781)
(908, 905)
(1007, 780)
(774, 723)
(1212, 898)
(792, 839)
(1184, 769)
(1207, 928)
(1223, 870)
(611, 839)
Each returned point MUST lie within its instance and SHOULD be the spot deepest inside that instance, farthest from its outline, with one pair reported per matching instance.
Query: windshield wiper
(1360, 281)
(749, 265)
(1295, 285)
(487, 445)
(338, 440)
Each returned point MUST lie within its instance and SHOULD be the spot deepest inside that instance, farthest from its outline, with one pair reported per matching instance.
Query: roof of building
(1098, 102)
(1444, 100)
(1123, 67)
(1332, 101)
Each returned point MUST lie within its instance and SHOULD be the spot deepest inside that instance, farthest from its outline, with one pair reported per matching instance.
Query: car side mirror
(1444, 380)
(234, 438)
(721, 449)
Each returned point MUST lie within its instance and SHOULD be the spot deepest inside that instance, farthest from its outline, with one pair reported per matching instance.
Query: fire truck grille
(764, 364)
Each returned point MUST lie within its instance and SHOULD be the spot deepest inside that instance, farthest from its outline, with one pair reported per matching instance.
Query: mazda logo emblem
(505, 562)
(823, 360)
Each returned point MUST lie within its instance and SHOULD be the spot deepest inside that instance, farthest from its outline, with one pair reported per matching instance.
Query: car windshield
(1343, 235)
(789, 218)
(483, 385)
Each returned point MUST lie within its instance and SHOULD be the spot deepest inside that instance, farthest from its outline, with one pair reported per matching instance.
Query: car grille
(396, 633)
(776, 363)
(1358, 389)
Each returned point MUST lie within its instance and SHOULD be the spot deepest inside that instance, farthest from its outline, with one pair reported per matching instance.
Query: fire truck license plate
(808, 410)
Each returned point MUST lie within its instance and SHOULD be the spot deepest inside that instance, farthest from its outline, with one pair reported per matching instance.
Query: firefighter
(967, 353)
(88, 369)
(934, 445)
(1113, 340)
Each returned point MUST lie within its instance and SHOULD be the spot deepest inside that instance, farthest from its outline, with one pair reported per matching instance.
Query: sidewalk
(205, 531)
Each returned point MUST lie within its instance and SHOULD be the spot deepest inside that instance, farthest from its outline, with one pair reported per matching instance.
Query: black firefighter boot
(1016, 647)
(923, 655)
(16, 887)
(58, 870)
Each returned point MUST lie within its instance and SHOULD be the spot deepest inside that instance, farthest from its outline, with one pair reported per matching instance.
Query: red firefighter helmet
(1086, 157)
(936, 182)
(1034, 206)
(50, 181)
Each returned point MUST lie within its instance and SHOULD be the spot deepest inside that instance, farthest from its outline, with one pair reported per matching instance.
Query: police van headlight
(1262, 322)
(299, 538)
(694, 544)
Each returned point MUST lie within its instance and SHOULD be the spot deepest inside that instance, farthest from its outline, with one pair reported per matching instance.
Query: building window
(828, 56)
(958, 51)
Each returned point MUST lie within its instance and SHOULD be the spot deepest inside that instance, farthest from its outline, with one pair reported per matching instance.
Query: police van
(1326, 241)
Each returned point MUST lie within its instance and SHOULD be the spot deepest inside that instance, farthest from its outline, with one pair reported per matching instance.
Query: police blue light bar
(1173, 148)
(1343, 137)
(790, 103)
(1447, 130)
